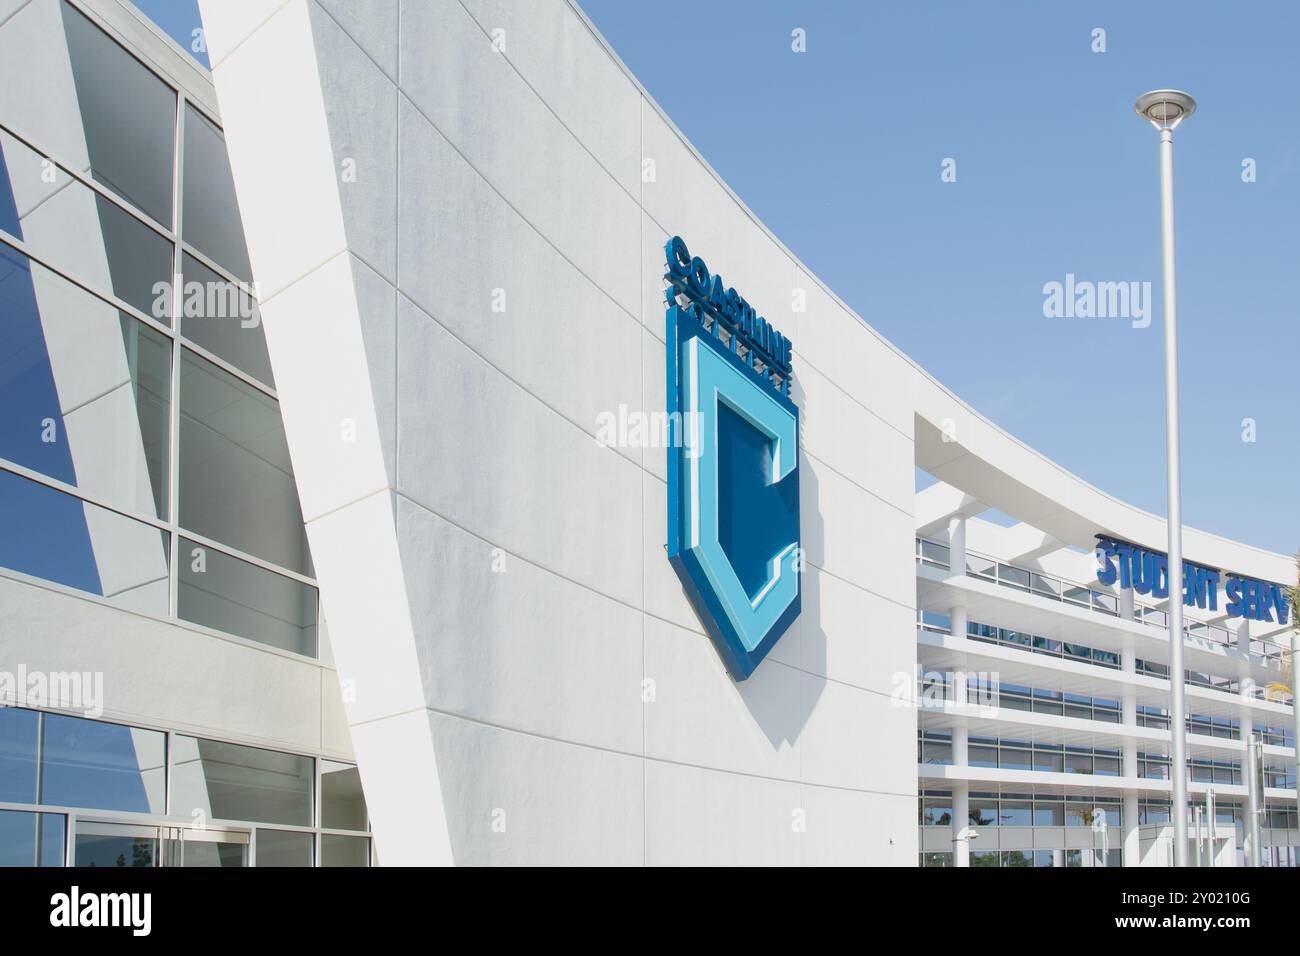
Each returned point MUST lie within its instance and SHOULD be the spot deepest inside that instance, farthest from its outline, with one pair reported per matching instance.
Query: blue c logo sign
(733, 485)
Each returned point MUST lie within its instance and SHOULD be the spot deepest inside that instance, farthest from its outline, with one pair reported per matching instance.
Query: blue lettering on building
(1147, 572)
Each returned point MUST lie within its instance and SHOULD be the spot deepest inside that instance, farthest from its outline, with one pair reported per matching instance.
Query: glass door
(117, 845)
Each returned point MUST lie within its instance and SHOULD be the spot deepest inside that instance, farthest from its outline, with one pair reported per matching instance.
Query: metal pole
(1200, 837)
(1295, 696)
(1252, 798)
(1213, 826)
(1177, 708)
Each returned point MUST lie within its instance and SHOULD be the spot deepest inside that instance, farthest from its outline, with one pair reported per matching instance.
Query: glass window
(982, 756)
(1078, 763)
(74, 227)
(1155, 813)
(129, 116)
(89, 763)
(1048, 761)
(233, 782)
(1049, 814)
(211, 221)
(983, 813)
(343, 805)
(338, 850)
(1014, 758)
(1017, 813)
(223, 592)
(236, 480)
(1047, 702)
(985, 858)
(31, 839)
(936, 811)
(1106, 766)
(1017, 858)
(17, 755)
(284, 848)
(1078, 815)
(936, 752)
(223, 317)
(115, 847)
(84, 389)
(936, 859)
(214, 854)
(59, 538)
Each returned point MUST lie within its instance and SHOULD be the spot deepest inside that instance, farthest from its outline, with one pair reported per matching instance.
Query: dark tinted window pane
(211, 221)
(231, 782)
(149, 367)
(59, 538)
(139, 261)
(225, 593)
(88, 763)
(343, 805)
(284, 848)
(236, 481)
(223, 318)
(81, 232)
(17, 755)
(129, 117)
(344, 850)
(115, 852)
(205, 854)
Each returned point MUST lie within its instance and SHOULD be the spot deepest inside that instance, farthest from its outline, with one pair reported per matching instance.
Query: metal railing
(1028, 581)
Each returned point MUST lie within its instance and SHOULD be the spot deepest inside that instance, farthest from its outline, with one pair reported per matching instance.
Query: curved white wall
(494, 578)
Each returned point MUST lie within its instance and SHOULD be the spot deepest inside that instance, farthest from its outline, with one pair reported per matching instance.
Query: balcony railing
(937, 554)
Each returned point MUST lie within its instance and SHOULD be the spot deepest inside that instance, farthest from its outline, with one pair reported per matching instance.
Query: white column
(1247, 720)
(1243, 636)
(960, 823)
(957, 621)
(960, 750)
(960, 758)
(957, 545)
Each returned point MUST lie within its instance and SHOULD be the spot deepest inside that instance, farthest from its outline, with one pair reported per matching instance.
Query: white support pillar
(1243, 636)
(957, 621)
(957, 545)
(960, 750)
(1247, 720)
(960, 789)
(961, 824)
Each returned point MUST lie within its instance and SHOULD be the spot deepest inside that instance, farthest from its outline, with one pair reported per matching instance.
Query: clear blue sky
(838, 150)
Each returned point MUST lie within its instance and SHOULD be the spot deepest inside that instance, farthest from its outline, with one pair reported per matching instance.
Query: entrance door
(116, 845)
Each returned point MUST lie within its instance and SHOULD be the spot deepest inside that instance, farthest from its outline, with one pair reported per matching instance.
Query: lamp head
(1165, 109)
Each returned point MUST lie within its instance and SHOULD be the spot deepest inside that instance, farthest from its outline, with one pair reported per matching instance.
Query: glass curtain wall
(142, 454)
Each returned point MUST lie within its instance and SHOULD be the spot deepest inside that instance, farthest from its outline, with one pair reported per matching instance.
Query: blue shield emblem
(733, 485)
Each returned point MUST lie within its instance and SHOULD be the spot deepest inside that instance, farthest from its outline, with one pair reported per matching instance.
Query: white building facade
(455, 214)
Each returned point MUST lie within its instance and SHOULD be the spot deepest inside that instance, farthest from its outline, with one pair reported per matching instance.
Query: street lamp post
(1165, 109)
